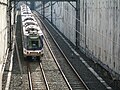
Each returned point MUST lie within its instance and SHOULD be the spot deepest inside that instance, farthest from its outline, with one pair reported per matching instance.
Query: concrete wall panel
(3, 36)
(3, 31)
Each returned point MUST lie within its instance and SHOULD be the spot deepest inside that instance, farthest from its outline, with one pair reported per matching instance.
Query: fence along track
(79, 84)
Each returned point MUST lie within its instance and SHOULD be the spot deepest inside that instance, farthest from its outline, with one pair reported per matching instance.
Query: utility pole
(9, 8)
(14, 11)
(85, 26)
(77, 23)
(43, 9)
(51, 13)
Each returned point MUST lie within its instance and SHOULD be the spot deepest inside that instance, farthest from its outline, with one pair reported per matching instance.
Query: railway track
(32, 76)
(50, 72)
(44, 75)
(54, 75)
(36, 76)
(72, 76)
(55, 69)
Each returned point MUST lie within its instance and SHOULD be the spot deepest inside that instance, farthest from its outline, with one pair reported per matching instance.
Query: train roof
(29, 23)
(32, 29)
(28, 17)
(25, 10)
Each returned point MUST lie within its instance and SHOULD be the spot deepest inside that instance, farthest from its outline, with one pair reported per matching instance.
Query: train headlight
(25, 51)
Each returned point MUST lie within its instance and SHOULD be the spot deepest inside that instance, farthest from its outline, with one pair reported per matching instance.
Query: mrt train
(32, 36)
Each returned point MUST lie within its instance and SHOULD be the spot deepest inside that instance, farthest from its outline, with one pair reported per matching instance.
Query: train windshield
(30, 23)
(34, 43)
(29, 19)
(26, 13)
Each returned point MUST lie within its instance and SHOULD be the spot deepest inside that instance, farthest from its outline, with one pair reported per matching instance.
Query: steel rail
(68, 61)
(65, 56)
(44, 77)
(70, 88)
(29, 76)
(63, 75)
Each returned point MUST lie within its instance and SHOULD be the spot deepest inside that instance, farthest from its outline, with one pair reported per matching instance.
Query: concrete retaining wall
(99, 28)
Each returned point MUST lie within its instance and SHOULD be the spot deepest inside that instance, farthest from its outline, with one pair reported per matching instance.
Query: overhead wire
(94, 30)
(90, 27)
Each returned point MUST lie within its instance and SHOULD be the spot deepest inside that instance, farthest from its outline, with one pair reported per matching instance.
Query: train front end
(33, 46)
